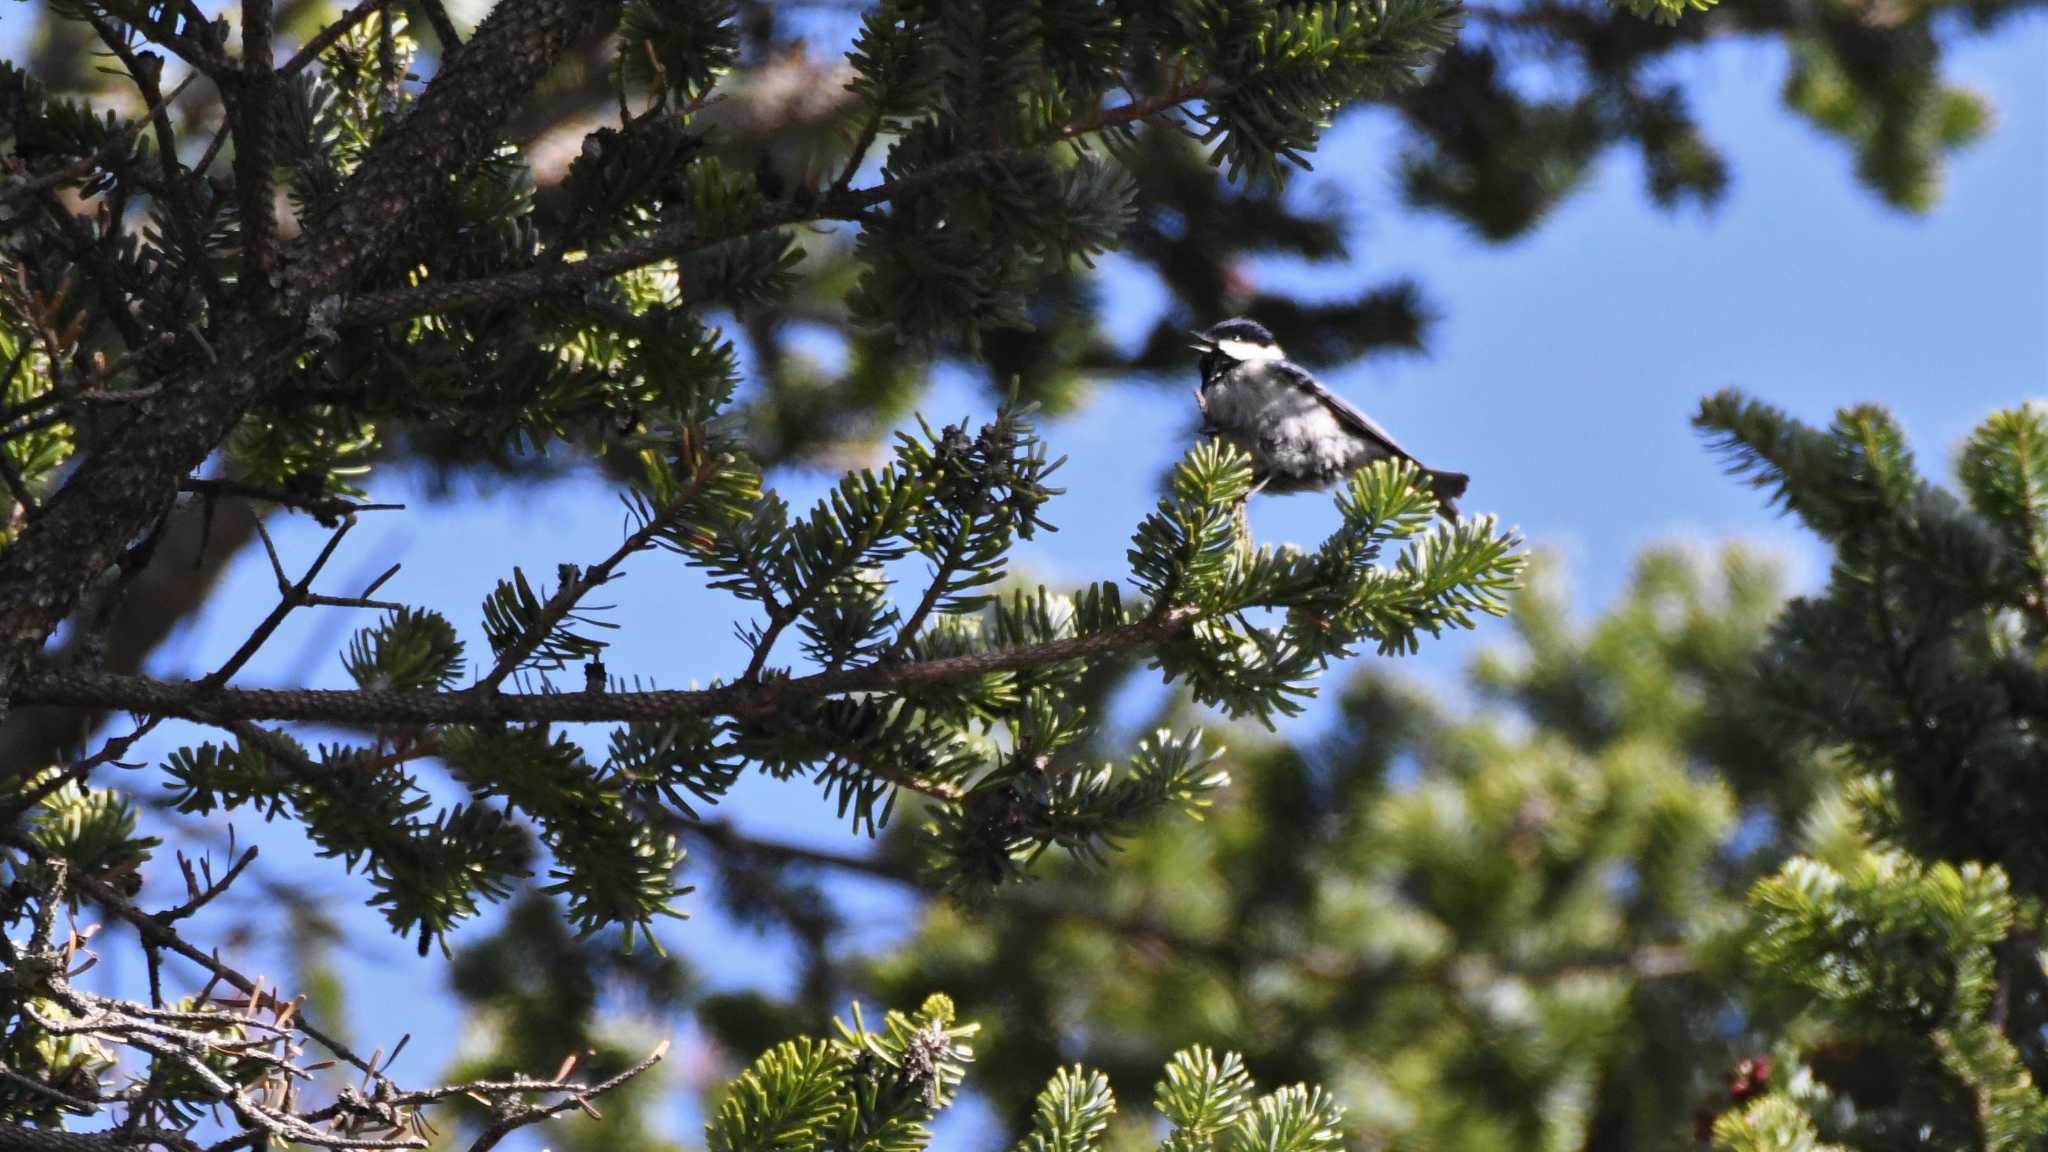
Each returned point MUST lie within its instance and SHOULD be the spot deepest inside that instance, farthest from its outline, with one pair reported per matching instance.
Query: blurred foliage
(1718, 868)
(1516, 923)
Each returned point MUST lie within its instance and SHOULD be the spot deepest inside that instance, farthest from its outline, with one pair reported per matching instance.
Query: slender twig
(84, 689)
(291, 596)
(18, 488)
(213, 148)
(111, 751)
(943, 567)
(325, 38)
(83, 1107)
(327, 509)
(161, 935)
(205, 896)
(510, 1116)
(144, 72)
(859, 152)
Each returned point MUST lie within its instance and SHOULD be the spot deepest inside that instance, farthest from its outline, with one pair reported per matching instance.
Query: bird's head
(1237, 340)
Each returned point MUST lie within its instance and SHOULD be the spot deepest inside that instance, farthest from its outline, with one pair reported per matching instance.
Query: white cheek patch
(1242, 350)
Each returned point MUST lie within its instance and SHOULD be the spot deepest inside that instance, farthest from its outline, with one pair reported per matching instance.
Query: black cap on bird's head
(1233, 341)
(1237, 328)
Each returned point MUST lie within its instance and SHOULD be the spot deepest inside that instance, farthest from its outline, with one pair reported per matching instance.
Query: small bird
(1301, 436)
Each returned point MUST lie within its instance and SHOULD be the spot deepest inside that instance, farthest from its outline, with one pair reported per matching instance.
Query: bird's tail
(1448, 486)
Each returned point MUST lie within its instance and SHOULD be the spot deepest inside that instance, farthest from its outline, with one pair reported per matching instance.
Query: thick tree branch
(191, 700)
(255, 154)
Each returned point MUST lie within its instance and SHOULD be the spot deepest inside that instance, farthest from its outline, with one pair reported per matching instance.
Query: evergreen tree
(1908, 933)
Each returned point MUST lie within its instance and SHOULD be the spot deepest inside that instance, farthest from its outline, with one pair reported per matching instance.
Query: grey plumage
(1301, 436)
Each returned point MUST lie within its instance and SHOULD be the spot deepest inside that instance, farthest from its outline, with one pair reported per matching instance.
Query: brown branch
(328, 510)
(683, 237)
(383, 706)
(291, 596)
(508, 1116)
(325, 38)
(22, 1138)
(249, 106)
(262, 1029)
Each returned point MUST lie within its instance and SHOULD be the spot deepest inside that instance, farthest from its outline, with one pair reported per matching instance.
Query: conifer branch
(684, 237)
(116, 146)
(216, 1040)
(189, 700)
(121, 488)
(704, 469)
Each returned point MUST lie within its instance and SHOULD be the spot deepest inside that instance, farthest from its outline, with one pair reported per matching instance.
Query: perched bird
(1301, 436)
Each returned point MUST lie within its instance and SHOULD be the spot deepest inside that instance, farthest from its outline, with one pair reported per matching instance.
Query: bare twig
(158, 934)
(325, 38)
(291, 596)
(81, 689)
(111, 751)
(329, 510)
(258, 1032)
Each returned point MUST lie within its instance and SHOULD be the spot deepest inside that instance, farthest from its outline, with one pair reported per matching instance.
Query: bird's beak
(1202, 343)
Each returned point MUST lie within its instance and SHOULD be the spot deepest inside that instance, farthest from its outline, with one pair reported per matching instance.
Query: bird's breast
(1295, 440)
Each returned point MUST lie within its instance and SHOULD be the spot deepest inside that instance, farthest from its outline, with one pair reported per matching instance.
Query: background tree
(1717, 869)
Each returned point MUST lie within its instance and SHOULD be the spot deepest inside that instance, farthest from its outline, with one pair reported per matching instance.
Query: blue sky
(1561, 376)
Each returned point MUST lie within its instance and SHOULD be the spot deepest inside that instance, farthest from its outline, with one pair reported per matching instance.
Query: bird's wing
(1345, 412)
